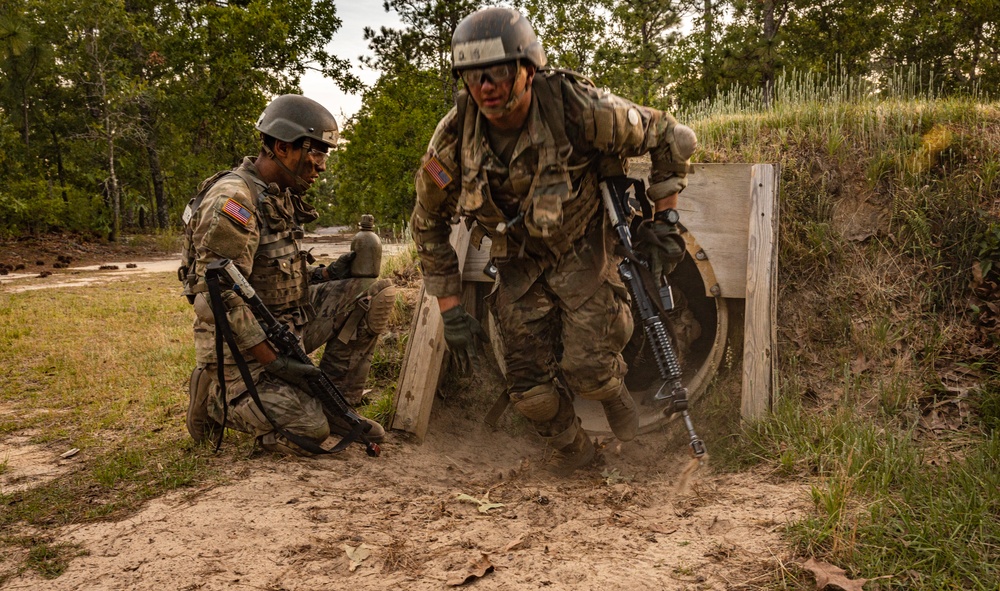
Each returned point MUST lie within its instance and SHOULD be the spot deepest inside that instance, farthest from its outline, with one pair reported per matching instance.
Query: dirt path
(113, 266)
(288, 524)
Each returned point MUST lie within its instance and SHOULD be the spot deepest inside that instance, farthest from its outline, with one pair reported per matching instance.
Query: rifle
(650, 311)
(286, 343)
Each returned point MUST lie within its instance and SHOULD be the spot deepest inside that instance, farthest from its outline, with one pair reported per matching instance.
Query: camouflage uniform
(262, 238)
(560, 305)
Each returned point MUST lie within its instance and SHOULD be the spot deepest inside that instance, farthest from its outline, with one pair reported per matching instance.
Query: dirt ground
(469, 506)
(295, 524)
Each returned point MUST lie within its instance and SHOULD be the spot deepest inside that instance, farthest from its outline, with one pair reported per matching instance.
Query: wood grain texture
(425, 350)
(762, 266)
(714, 208)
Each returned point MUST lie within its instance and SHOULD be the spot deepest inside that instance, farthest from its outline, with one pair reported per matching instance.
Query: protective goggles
(318, 157)
(498, 74)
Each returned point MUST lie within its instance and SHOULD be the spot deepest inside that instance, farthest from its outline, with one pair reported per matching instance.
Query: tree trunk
(162, 216)
(60, 171)
(708, 30)
(767, 76)
(114, 193)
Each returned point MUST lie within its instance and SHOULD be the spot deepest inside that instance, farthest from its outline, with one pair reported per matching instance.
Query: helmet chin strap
(301, 184)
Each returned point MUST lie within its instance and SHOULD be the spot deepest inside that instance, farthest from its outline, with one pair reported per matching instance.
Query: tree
(571, 31)
(138, 100)
(633, 62)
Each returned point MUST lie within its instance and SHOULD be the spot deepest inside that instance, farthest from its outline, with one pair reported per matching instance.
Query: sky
(349, 43)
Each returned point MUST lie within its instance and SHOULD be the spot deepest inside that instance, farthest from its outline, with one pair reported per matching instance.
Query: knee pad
(611, 389)
(540, 403)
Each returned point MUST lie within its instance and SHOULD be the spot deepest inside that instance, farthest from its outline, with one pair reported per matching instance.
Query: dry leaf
(474, 570)
(514, 544)
(827, 574)
(484, 503)
(356, 555)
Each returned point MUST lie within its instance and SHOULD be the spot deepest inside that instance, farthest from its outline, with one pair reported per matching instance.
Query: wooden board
(761, 294)
(714, 208)
(425, 349)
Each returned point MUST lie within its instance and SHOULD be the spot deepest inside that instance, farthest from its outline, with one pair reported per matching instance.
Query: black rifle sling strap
(223, 330)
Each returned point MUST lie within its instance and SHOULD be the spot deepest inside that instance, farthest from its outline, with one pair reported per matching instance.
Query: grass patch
(104, 369)
(882, 505)
(887, 346)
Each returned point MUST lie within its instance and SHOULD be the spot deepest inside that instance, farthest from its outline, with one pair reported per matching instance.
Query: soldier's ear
(282, 148)
(529, 73)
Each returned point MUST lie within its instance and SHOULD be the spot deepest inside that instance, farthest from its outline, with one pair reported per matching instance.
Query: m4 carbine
(631, 269)
(286, 343)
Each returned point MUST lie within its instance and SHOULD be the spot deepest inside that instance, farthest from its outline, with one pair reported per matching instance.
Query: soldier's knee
(540, 403)
(606, 391)
(381, 300)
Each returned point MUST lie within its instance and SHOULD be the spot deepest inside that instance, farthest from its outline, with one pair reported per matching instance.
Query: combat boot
(623, 417)
(339, 426)
(199, 424)
(572, 449)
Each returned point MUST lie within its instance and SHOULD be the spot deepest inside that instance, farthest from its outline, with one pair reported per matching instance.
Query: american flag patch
(236, 211)
(437, 172)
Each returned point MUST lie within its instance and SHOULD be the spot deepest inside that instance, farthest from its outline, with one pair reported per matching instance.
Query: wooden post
(759, 373)
(421, 371)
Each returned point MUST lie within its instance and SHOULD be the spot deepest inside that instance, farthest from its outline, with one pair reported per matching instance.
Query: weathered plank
(714, 208)
(422, 363)
(761, 294)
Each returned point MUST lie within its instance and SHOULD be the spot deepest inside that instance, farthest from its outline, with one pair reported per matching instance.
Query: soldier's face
(304, 164)
(492, 88)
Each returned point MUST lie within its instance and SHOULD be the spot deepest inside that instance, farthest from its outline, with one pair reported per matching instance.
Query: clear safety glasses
(497, 74)
(318, 157)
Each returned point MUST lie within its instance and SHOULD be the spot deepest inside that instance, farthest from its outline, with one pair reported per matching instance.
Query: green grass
(103, 369)
(873, 330)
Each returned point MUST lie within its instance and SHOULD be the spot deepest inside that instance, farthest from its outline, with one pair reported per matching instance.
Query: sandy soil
(631, 521)
(294, 524)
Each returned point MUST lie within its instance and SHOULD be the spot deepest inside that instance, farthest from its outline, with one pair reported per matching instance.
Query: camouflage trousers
(350, 315)
(544, 339)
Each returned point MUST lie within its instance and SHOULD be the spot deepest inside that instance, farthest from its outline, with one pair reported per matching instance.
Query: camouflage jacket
(259, 230)
(546, 199)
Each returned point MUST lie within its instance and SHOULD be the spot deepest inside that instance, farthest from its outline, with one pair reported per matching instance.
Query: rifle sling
(223, 330)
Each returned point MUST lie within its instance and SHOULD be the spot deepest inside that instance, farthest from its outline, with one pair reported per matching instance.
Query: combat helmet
(293, 116)
(494, 35)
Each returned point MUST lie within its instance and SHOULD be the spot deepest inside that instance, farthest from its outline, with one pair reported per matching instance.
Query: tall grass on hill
(888, 273)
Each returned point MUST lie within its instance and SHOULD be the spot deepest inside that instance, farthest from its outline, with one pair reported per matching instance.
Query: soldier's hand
(341, 268)
(294, 372)
(461, 332)
(662, 245)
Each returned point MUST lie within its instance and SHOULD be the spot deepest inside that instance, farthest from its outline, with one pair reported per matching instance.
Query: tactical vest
(280, 275)
(186, 273)
(551, 210)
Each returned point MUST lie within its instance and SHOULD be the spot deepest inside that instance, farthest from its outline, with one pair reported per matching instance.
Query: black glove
(662, 245)
(341, 268)
(294, 372)
(461, 331)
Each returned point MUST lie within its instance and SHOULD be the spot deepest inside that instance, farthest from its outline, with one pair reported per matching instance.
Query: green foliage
(374, 171)
(112, 112)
